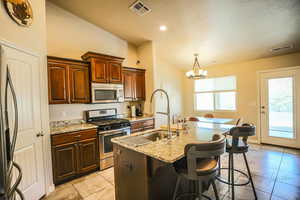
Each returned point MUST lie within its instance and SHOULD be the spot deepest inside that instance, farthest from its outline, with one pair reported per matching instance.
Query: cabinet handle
(119, 152)
(129, 166)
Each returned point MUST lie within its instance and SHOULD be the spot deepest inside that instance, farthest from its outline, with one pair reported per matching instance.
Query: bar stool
(200, 165)
(238, 145)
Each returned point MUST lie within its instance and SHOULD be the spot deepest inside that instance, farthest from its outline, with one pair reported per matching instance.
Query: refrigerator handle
(14, 188)
(11, 86)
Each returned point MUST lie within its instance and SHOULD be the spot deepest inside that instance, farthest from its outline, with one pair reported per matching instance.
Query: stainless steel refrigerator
(9, 182)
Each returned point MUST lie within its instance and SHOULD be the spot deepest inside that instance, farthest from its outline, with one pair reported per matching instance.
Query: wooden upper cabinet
(99, 71)
(128, 82)
(115, 72)
(104, 68)
(140, 85)
(79, 84)
(134, 84)
(68, 81)
(58, 83)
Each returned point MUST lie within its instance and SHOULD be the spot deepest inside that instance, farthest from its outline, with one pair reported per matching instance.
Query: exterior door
(25, 73)
(279, 111)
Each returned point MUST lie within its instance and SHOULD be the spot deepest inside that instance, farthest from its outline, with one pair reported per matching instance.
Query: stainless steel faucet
(164, 113)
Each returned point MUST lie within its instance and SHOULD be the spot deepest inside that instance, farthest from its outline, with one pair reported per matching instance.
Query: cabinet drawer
(137, 125)
(73, 137)
(149, 122)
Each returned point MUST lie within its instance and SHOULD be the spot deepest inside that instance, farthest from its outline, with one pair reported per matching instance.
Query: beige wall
(163, 75)
(70, 36)
(246, 73)
(146, 54)
(169, 78)
(33, 40)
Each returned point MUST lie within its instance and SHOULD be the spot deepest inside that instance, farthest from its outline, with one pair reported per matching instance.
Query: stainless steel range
(109, 126)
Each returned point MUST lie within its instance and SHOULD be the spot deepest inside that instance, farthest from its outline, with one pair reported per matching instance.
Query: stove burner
(110, 124)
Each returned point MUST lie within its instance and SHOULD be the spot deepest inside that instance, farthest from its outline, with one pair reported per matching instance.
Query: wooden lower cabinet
(88, 159)
(130, 174)
(65, 162)
(141, 177)
(74, 154)
(142, 125)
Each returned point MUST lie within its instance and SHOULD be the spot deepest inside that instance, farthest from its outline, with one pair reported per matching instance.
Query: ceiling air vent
(282, 48)
(140, 8)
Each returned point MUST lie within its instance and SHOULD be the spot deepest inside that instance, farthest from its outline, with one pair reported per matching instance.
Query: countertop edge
(69, 129)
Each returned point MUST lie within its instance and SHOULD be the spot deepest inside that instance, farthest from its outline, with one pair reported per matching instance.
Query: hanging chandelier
(197, 72)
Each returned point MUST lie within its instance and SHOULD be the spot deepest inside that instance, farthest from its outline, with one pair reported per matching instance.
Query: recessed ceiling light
(163, 28)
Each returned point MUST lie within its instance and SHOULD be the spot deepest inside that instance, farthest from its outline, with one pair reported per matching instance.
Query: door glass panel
(281, 107)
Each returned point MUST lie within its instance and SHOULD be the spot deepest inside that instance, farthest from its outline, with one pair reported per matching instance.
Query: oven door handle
(112, 132)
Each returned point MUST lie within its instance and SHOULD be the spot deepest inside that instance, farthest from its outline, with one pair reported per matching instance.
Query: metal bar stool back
(238, 144)
(200, 165)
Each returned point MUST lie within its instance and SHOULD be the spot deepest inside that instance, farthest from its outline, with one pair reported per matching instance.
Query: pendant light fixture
(197, 72)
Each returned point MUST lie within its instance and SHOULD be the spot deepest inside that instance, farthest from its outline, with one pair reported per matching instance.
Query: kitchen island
(143, 162)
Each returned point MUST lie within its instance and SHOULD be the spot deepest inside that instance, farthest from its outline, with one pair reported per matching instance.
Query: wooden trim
(133, 69)
(53, 59)
(87, 56)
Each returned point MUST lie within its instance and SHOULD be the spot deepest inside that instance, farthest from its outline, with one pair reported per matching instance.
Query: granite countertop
(71, 128)
(140, 118)
(173, 150)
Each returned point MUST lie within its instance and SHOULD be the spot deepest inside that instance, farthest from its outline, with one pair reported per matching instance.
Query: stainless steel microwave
(107, 93)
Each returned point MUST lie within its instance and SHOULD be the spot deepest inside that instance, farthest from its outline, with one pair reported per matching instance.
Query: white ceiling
(221, 31)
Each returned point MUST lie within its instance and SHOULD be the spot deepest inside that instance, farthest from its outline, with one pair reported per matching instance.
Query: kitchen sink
(144, 139)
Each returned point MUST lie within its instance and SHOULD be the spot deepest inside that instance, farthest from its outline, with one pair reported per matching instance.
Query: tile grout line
(277, 174)
(81, 197)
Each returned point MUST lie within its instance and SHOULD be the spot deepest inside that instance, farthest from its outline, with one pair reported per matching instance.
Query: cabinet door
(131, 177)
(88, 156)
(128, 83)
(79, 84)
(99, 71)
(64, 162)
(115, 72)
(140, 86)
(58, 84)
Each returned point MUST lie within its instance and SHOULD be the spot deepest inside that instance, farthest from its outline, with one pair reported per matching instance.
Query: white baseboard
(253, 141)
(51, 188)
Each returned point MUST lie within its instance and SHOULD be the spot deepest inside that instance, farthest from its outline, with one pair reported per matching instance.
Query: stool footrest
(235, 184)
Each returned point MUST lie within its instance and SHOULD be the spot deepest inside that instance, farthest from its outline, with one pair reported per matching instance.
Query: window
(215, 94)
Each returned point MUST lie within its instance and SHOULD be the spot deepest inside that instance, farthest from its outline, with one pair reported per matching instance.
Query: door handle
(40, 134)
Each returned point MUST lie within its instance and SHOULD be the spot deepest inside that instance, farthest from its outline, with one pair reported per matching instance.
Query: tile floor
(276, 174)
